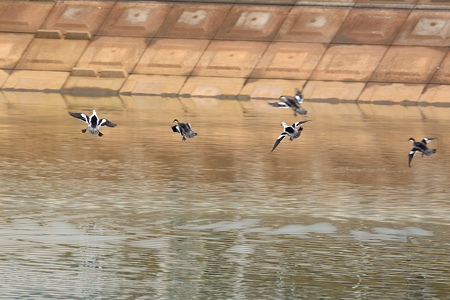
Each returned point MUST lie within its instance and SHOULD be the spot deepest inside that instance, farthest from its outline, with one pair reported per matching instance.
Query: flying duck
(292, 103)
(290, 131)
(94, 122)
(184, 129)
(420, 147)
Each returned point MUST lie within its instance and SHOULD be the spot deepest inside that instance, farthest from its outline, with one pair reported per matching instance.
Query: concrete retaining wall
(368, 51)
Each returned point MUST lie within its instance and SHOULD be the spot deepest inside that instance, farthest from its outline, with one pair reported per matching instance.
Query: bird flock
(94, 123)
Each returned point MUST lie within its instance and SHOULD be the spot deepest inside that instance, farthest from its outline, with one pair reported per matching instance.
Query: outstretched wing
(411, 155)
(427, 140)
(299, 97)
(176, 129)
(296, 124)
(105, 122)
(278, 141)
(80, 116)
(279, 104)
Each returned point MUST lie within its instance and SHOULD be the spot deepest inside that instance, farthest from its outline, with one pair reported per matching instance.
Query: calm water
(139, 214)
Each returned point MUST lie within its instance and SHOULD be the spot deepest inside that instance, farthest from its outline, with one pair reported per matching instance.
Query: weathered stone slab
(153, 85)
(312, 24)
(212, 87)
(4, 74)
(436, 94)
(171, 56)
(92, 85)
(333, 90)
(270, 88)
(230, 59)
(78, 15)
(36, 80)
(246, 22)
(21, 16)
(409, 64)
(52, 55)
(392, 92)
(193, 21)
(426, 28)
(12, 46)
(349, 62)
(78, 35)
(135, 19)
(289, 60)
(386, 3)
(113, 53)
(48, 34)
(371, 26)
(442, 74)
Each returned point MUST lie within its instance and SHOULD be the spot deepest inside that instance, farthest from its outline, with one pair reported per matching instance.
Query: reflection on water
(139, 214)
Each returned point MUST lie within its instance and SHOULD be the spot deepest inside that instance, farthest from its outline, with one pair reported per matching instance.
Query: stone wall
(388, 51)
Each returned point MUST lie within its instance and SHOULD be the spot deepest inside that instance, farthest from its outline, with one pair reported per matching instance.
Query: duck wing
(176, 128)
(296, 124)
(80, 116)
(299, 97)
(427, 140)
(279, 104)
(105, 122)
(413, 152)
(278, 141)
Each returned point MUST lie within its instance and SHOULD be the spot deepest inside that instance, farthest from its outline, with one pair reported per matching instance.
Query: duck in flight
(292, 103)
(420, 147)
(93, 121)
(290, 131)
(184, 129)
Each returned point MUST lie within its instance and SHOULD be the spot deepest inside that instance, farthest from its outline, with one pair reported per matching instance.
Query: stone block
(246, 22)
(436, 94)
(289, 60)
(349, 62)
(135, 19)
(113, 53)
(171, 56)
(386, 3)
(230, 58)
(36, 80)
(425, 28)
(78, 35)
(270, 88)
(113, 73)
(442, 74)
(153, 85)
(392, 92)
(78, 15)
(333, 90)
(12, 46)
(312, 24)
(48, 34)
(212, 87)
(92, 85)
(409, 64)
(371, 26)
(52, 55)
(23, 16)
(433, 4)
(84, 72)
(200, 21)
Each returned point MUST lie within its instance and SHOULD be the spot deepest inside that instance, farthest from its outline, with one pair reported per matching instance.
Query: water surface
(139, 214)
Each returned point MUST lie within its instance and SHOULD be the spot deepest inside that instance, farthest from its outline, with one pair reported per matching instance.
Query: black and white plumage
(184, 129)
(292, 103)
(420, 147)
(93, 121)
(292, 131)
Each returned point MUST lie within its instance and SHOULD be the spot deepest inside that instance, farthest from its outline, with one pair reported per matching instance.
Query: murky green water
(139, 214)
